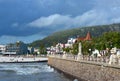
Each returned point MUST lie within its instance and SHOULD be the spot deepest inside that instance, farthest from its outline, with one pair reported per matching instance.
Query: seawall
(86, 70)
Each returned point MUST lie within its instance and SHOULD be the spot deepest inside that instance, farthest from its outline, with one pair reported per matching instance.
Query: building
(87, 38)
(2, 49)
(37, 50)
(70, 42)
(58, 49)
(16, 48)
(30, 50)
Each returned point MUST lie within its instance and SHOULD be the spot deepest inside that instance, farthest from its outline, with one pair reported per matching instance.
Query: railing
(102, 59)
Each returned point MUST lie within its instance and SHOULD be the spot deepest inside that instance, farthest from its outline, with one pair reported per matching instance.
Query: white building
(37, 50)
(58, 48)
(52, 50)
(2, 49)
(30, 50)
(70, 42)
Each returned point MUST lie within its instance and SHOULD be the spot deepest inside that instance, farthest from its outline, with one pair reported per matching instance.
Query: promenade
(7, 59)
(86, 68)
(85, 58)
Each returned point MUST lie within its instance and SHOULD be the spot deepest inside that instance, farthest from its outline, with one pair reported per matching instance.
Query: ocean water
(30, 72)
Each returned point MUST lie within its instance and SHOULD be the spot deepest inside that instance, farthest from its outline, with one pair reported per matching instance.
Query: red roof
(87, 38)
(81, 38)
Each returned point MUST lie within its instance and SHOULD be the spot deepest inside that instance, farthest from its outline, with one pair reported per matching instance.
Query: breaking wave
(25, 68)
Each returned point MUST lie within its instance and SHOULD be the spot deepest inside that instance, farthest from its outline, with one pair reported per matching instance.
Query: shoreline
(21, 59)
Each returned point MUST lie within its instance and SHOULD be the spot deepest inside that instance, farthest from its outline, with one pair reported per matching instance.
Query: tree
(67, 50)
(88, 45)
(108, 40)
(75, 49)
(42, 49)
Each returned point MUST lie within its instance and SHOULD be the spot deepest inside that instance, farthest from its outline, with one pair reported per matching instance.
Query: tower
(88, 37)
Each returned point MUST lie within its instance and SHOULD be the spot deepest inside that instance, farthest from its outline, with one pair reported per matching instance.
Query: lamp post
(89, 53)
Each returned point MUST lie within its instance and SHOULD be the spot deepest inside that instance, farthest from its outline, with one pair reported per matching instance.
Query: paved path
(22, 59)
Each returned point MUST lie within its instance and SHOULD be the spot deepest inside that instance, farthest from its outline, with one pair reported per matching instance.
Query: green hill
(62, 36)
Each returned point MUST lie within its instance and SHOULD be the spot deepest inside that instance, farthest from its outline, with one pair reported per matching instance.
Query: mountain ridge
(62, 36)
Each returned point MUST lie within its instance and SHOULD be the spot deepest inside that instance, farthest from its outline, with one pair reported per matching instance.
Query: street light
(89, 53)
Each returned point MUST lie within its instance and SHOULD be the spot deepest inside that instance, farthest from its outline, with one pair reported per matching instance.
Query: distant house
(36, 50)
(87, 38)
(51, 50)
(30, 50)
(58, 49)
(70, 42)
(2, 49)
(16, 48)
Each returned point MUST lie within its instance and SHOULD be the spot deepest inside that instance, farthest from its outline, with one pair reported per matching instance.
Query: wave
(26, 68)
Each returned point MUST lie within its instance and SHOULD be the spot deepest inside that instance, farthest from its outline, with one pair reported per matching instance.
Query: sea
(30, 72)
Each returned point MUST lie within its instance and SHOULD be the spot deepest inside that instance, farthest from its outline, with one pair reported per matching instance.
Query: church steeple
(88, 37)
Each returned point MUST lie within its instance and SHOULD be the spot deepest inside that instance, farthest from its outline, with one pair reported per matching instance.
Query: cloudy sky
(29, 20)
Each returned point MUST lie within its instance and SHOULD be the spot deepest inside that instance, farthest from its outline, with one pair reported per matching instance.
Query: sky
(30, 20)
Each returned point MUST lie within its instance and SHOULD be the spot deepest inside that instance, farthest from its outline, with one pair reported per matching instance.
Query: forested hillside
(62, 36)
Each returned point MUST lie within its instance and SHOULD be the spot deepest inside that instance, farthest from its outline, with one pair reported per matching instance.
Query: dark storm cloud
(38, 18)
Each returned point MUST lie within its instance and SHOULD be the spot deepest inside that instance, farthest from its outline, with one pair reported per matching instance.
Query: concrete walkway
(22, 59)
